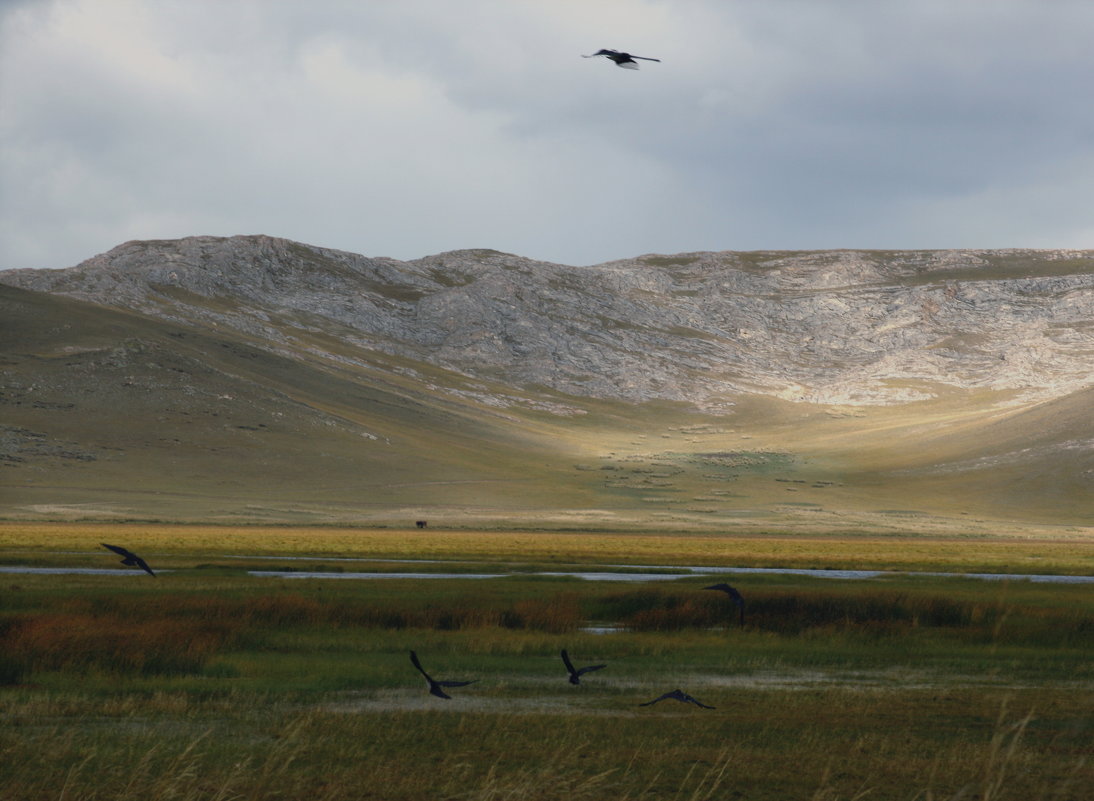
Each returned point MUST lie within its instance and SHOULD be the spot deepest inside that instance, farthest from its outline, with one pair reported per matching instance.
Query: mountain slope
(106, 411)
(257, 378)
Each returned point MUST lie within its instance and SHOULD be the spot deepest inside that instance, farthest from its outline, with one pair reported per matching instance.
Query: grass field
(211, 683)
(78, 543)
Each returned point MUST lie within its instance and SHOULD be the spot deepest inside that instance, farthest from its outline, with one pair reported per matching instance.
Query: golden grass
(1002, 554)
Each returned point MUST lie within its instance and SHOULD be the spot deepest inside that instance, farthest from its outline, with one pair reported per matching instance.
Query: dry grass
(80, 643)
(1004, 554)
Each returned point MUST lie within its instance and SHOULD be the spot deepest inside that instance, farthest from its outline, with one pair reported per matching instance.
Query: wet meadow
(214, 681)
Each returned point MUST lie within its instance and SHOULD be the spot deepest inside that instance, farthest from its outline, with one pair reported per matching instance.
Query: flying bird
(733, 596)
(434, 685)
(624, 60)
(131, 558)
(678, 695)
(575, 675)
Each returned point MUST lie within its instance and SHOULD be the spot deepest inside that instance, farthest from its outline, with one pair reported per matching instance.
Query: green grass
(860, 745)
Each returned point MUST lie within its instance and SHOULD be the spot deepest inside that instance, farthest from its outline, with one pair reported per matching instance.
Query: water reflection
(633, 573)
(307, 574)
(82, 571)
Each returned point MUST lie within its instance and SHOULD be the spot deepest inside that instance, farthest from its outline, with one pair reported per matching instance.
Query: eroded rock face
(842, 327)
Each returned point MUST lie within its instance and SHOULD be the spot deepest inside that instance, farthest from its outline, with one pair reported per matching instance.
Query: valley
(258, 380)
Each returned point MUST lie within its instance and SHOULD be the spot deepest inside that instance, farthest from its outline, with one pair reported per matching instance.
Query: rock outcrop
(836, 327)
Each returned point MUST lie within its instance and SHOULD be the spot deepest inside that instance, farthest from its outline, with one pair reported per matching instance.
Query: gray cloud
(405, 129)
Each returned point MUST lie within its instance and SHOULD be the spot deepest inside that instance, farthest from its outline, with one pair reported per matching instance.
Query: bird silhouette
(434, 685)
(621, 59)
(733, 596)
(575, 675)
(131, 558)
(677, 695)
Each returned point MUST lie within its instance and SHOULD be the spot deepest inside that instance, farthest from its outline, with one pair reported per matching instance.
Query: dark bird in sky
(434, 685)
(677, 695)
(624, 60)
(733, 596)
(131, 558)
(575, 675)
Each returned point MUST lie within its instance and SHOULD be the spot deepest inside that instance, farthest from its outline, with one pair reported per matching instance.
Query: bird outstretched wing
(678, 695)
(566, 661)
(576, 673)
(435, 685)
(732, 592)
(118, 550)
(130, 558)
(621, 59)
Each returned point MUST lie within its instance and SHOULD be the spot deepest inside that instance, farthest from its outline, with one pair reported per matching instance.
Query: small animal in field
(678, 695)
(130, 558)
(733, 596)
(621, 59)
(434, 685)
(576, 674)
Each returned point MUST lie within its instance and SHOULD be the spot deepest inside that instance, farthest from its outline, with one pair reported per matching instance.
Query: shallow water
(83, 571)
(307, 574)
(868, 574)
(600, 575)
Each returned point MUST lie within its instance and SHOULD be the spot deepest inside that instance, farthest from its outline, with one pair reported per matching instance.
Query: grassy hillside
(111, 413)
(114, 415)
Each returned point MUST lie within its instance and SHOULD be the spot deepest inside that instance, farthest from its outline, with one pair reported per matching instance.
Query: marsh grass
(856, 608)
(210, 684)
(222, 627)
(81, 643)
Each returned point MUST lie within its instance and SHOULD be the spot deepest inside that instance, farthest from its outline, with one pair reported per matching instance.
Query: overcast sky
(405, 128)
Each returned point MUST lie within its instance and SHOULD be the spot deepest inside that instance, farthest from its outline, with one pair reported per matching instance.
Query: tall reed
(82, 643)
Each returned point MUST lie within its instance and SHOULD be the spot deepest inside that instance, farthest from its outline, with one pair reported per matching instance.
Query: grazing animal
(624, 60)
(130, 558)
(575, 675)
(733, 596)
(677, 695)
(434, 685)
(420, 523)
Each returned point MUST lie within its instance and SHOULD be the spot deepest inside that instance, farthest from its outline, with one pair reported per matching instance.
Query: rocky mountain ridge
(831, 327)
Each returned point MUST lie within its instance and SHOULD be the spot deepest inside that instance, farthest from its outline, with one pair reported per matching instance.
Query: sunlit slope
(963, 454)
(1034, 461)
(769, 462)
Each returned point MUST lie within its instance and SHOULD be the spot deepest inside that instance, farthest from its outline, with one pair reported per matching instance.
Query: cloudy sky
(405, 128)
